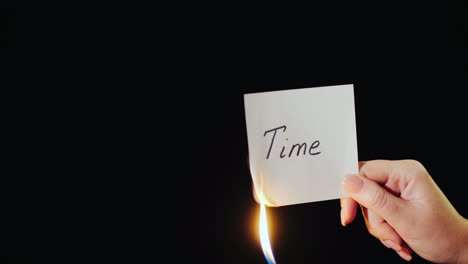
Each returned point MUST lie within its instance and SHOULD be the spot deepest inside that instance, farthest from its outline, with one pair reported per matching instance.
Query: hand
(406, 211)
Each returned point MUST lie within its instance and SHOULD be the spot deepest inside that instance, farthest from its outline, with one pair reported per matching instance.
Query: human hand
(405, 209)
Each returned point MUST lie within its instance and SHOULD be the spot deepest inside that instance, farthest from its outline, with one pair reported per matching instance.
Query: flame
(263, 200)
(264, 238)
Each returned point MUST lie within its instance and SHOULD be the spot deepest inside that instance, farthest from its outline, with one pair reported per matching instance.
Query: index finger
(394, 175)
(379, 171)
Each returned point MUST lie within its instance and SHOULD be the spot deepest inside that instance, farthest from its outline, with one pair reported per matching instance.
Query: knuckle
(380, 199)
(412, 162)
(383, 203)
(379, 229)
(371, 228)
(372, 231)
(414, 165)
(417, 168)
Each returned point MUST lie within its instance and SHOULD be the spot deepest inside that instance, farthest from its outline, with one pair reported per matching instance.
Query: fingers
(402, 250)
(370, 195)
(385, 172)
(394, 175)
(405, 253)
(378, 170)
(381, 230)
(349, 206)
(360, 164)
(377, 189)
(348, 210)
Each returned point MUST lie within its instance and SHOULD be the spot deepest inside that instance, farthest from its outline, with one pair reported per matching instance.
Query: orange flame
(264, 238)
(263, 200)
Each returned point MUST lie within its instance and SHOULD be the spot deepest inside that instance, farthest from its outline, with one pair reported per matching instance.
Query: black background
(409, 70)
(123, 77)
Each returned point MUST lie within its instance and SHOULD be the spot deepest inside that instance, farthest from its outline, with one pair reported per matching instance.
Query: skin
(405, 209)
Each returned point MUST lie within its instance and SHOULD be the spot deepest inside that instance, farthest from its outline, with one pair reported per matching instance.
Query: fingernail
(352, 183)
(393, 245)
(343, 223)
(404, 255)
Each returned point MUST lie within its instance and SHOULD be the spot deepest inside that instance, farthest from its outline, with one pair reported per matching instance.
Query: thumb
(371, 195)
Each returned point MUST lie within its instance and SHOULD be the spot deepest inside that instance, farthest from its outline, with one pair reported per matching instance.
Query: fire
(263, 200)
(264, 238)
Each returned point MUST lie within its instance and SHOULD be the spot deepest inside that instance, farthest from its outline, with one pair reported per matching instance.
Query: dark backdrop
(95, 192)
(410, 77)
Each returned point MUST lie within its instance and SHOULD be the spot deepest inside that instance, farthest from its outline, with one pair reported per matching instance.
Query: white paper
(313, 148)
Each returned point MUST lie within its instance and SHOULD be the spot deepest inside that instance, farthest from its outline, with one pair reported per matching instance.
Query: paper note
(302, 143)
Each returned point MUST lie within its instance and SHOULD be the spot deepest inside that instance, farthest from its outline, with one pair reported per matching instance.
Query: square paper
(302, 143)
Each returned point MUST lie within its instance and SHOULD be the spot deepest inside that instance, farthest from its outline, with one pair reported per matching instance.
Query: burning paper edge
(264, 237)
(258, 191)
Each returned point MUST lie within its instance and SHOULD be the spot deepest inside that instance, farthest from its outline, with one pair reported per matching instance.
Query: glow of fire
(264, 238)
